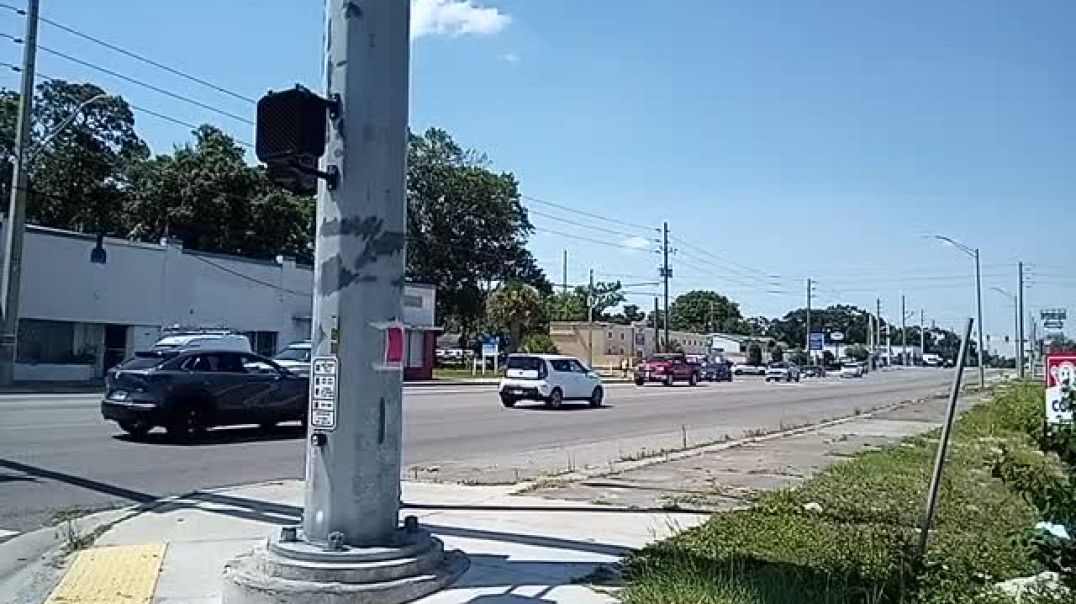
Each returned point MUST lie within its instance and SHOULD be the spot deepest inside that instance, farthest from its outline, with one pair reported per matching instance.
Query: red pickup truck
(667, 369)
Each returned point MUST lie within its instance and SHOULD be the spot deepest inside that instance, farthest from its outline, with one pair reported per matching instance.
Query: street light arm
(960, 246)
(64, 124)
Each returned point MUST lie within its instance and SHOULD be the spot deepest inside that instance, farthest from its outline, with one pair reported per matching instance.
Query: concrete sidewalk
(521, 548)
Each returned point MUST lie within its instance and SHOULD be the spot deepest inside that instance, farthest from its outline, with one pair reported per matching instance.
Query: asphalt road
(58, 455)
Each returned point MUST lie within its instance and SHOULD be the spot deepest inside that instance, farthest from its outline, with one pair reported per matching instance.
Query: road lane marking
(124, 574)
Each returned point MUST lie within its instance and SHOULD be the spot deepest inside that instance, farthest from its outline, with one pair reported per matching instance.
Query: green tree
(703, 311)
(572, 305)
(858, 352)
(538, 343)
(754, 354)
(799, 356)
(516, 307)
(467, 227)
(629, 314)
(827, 358)
(778, 353)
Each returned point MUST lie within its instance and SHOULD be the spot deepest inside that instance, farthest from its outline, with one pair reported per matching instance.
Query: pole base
(297, 571)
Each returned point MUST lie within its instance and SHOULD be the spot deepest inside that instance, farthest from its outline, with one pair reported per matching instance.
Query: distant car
(551, 379)
(782, 371)
(205, 340)
(667, 369)
(745, 369)
(295, 357)
(933, 360)
(188, 392)
(813, 371)
(716, 372)
(852, 369)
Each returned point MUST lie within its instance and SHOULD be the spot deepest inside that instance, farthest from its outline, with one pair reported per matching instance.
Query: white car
(782, 371)
(745, 369)
(551, 379)
(852, 370)
(295, 357)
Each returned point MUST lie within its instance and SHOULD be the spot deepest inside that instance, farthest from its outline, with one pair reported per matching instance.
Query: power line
(152, 112)
(196, 256)
(587, 239)
(721, 259)
(740, 274)
(135, 81)
(585, 213)
(576, 223)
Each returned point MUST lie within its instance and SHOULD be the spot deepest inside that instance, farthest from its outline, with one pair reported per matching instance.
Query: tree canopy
(703, 311)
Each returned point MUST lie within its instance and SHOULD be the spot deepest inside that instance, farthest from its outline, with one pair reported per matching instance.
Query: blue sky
(781, 140)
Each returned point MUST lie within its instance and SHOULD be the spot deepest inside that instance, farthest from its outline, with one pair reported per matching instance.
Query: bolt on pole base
(292, 570)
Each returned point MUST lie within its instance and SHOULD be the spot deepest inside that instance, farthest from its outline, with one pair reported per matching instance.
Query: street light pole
(974, 253)
(1020, 320)
(11, 272)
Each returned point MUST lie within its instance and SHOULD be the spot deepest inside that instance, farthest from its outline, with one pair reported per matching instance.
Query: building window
(262, 342)
(48, 342)
(412, 301)
(622, 336)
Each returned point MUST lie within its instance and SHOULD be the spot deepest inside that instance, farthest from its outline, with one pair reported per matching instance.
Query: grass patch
(859, 548)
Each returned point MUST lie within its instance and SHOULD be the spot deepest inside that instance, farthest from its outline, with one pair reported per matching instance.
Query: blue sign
(489, 346)
(816, 341)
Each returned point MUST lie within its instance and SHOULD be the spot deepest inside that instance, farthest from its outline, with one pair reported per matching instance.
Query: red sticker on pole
(394, 348)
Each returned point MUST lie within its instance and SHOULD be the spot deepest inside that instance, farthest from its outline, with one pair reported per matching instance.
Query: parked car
(745, 369)
(188, 392)
(813, 371)
(852, 369)
(295, 357)
(782, 371)
(667, 369)
(716, 372)
(203, 339)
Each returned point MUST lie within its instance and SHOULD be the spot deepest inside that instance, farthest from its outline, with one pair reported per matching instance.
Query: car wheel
(556, 398)
(669, 380)
(135, 429)
(189, 422)
(508, 401)
(639, 381)
(596, 397)
(693, 380)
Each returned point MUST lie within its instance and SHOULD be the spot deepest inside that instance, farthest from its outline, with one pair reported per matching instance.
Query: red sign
(1060, 381)
(1059, 368)
(395, 348)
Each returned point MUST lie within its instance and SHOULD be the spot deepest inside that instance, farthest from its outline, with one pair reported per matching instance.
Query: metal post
(878, 323)
(564, 274)
(11, 271)
(1020, 321)
(665, 275)
(922, 333)
(590, 322)
(808, 344)
(943, 444)
(979, 318)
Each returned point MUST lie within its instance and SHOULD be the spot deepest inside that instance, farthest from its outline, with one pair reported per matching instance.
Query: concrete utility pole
(878, 323)
(657, 333)
(351, 546)
(564, 274)
(903, 333)
(11, 272)
(1020, 321)
(590, 322)
(807, 345)
(922, 333)
(665, 274)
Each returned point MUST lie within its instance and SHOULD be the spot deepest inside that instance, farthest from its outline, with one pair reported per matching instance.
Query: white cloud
(510, 57)
(455, 18)
(636, 243)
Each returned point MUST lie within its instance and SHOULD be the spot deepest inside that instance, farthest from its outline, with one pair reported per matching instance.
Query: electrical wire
(578, 224)
(582, 238)
(589, 214)
(197, 256)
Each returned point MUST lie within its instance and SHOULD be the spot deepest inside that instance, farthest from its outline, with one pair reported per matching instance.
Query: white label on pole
(323, 389)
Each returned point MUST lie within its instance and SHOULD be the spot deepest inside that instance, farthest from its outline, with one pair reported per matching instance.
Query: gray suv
(190, 391)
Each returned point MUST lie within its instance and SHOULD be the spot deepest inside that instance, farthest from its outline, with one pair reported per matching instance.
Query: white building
(78, 318)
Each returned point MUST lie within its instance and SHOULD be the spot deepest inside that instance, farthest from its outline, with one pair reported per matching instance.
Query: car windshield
(293, 354)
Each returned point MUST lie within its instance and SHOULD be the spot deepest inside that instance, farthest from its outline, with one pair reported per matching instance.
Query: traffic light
(290, 138)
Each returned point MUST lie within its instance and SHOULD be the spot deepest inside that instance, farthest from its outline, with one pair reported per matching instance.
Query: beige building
(614, 343)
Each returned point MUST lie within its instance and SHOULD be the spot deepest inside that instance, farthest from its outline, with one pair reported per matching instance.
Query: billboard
(817, 339)
(1060, 381)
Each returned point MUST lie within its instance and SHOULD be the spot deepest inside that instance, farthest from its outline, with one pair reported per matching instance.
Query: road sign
(489, 346)
(1060, 383)
(640, 340)
(836, 336)
(816, 341)
(323, 390)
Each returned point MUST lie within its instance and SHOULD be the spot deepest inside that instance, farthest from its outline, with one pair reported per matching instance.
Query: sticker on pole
(1060, 384)
(393, 348)
(324, 384)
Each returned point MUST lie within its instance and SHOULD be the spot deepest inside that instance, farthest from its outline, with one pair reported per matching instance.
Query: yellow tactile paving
(124, 574)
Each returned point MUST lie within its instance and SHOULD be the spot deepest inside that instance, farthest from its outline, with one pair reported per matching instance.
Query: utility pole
(590, 322)
(979, 318)
(807, 346)
(351, 545)
(666, 273)
(922, 333)
(564, 274)
(1020, 321)
(15, 222)
(657, 332)
(878, 323)
(903, 333)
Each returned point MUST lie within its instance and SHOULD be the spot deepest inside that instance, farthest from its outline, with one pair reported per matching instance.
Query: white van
(212, 341)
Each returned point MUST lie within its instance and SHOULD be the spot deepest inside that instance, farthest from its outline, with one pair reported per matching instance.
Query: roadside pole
(922, 333)
(665, 274)
(808, 343)
(979, 318)
(590, 322)
(15, 222)
(351, 546)
(657, 332)
(943, 444)
(903, 333)
(1020, 320)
